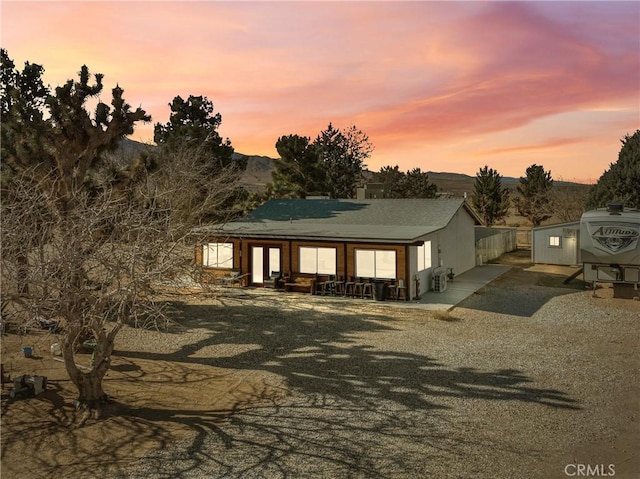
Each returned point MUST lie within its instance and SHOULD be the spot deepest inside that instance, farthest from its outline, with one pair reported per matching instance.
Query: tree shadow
(342, 407)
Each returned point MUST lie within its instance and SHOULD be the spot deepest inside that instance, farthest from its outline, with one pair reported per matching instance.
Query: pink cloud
(417, 77)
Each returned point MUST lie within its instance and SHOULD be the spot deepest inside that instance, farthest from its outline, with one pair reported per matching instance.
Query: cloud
(439, 80)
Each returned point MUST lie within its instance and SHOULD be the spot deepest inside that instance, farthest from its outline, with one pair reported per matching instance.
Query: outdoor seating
(273, 281)
(398, 290)
(349, 287)
(327, 287)
(339, 287)
(303, 283)
(358, 287)
(367, 290)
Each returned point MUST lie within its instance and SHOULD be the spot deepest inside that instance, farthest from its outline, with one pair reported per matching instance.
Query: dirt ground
(158, 399)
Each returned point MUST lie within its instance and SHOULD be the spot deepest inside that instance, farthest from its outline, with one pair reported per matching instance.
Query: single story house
(556, 244)
(389, 240)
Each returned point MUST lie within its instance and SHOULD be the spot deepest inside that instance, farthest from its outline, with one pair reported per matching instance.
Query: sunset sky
(443, 86)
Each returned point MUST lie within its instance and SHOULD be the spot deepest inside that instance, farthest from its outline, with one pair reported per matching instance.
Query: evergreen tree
(621, 182)
(412, 184)
(342, 154)
(490, 198)
(298, 171)
(193, 123)
(332, 164)
(192, 132)
(416, 184)
(392, 180)
(534, 202)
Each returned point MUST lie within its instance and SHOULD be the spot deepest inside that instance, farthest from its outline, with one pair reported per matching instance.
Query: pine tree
(534, 202)
(621, 182)
(490, 199)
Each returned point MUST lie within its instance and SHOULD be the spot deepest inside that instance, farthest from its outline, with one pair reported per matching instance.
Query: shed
(556, 244)
(381, 239)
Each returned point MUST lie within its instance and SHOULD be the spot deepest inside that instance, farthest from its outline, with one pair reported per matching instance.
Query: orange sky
(443, 86)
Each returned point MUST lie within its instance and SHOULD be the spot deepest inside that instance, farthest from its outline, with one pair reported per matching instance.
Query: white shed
(556, 244)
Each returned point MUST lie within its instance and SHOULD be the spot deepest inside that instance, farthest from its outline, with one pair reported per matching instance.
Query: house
(382, 239)
(556, 244)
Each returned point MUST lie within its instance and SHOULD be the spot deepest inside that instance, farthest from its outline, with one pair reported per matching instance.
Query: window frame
(377, 259)
(217, 247)
(421, 252)
(318, 260)
(557, 239)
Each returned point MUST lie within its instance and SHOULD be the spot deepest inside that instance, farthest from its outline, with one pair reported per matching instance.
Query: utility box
(439, 280)
(610, 245)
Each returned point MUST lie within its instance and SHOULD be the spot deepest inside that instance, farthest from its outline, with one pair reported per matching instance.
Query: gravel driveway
(518, 381)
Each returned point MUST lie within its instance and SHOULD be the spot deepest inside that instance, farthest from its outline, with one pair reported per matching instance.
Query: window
(372, 263)
(218, 255)
(317, 260)
(424, 256)
(554, 241)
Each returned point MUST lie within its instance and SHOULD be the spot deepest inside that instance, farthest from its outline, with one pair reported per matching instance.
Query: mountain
(259, 168)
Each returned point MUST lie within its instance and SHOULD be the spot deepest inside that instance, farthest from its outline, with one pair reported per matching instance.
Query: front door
(264, 261)
(257, 264)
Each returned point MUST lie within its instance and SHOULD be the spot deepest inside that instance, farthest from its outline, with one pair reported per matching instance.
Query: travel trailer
(610, 245)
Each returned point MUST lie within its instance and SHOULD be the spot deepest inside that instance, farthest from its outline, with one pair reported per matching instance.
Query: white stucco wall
(452, 247)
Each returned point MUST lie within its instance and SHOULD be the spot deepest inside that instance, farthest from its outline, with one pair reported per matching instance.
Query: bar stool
(358, 288)
(339, 287)
(367, 290)
(349, 287)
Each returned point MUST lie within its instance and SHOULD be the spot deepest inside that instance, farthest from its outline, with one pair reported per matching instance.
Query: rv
(610, 245)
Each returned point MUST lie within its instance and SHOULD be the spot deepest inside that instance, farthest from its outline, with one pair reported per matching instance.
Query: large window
(218, 255)
(424, 256)
(317, 260)
(374, 263)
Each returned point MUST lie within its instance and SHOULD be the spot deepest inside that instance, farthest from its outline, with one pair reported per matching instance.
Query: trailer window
(555, 241)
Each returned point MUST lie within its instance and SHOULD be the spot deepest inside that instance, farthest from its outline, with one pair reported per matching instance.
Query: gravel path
(519, 381)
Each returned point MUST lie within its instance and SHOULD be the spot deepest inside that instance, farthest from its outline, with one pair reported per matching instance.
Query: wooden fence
(491, 243)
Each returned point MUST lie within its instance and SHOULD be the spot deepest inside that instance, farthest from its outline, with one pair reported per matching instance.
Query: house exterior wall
(456, 244)
(423, 283)
(567, 253)
(451, 247)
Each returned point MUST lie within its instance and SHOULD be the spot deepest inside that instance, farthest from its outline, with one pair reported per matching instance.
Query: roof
(380, 220)
(558, 225)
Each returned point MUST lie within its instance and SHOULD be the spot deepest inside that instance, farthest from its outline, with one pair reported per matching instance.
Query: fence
(524, 239)
(491, 243)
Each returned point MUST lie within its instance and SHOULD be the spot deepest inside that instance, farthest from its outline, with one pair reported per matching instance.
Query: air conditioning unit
(439, 280)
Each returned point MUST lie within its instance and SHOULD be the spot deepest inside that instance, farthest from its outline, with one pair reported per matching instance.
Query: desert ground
(529, 377)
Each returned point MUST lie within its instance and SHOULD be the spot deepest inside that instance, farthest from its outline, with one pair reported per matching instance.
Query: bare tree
(93, 237)
(99, 266)
(568, 202)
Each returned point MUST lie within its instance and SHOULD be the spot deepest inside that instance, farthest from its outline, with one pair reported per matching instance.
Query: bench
(306, 284)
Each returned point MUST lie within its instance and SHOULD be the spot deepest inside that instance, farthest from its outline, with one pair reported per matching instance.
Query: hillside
(259, 168)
